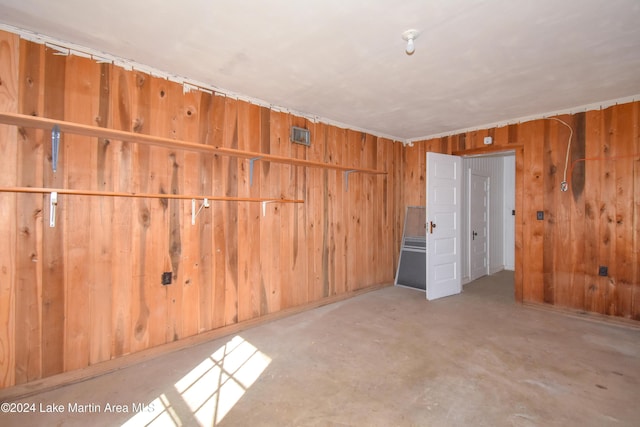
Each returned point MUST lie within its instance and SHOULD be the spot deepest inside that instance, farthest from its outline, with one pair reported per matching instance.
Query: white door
(478, 226)
(444, 179)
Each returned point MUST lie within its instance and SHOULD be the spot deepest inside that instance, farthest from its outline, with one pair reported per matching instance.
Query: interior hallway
(388, 357)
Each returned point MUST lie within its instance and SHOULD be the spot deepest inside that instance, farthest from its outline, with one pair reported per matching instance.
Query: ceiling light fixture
(409, 36)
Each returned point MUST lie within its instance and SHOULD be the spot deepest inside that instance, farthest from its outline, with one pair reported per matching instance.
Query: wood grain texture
(9, 96)
(623, 151)
(28, 246)
(595, 286)
(80, 103)
(54, 265)
(635, 255)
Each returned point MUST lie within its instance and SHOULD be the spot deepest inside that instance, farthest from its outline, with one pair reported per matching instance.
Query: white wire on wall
(563, 185)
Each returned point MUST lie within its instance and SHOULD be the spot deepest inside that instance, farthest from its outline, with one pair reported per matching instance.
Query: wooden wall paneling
(399, 201)
(254, 212)
(9, 92)
(371, 209)
(287, 287)
(383, 239)
(572, 293)
(328, 206)
(315, 198)
(413, 180)
(264, 221)
(391, 182)
(28, 245)
(124, 89)
(220, 169)
(54, 261)
(339, 210)
(270, 222)
(635, 256)
(230, 213)
(205, 281)
(554, 245)
(142, 232)
(533, 230)
(500, 136)
(607, 209)
(159, 234)
(81, 105)
(375, 222)
(245, 303)
(176, 217)
(248, 256)
(595, 285)
(354, 210)
(299, 277)
(623, 149)
(518, 276)
(101, 218)
(190, 118)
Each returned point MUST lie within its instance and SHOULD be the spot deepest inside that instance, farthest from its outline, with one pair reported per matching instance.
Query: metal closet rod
(44, 190)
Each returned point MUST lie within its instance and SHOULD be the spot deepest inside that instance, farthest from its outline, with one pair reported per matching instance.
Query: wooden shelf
(45, 190)
(24, 120)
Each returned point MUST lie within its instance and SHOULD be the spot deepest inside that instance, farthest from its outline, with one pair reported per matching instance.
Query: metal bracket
(194, 213)
(251, 162)
(264, 206)
(346, 178)
(55, 146)
(53, 202)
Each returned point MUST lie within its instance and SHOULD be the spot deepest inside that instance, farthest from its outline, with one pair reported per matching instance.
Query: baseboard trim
(585, 315)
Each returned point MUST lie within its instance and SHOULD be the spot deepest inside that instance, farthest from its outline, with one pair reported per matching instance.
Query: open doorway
(488, 223)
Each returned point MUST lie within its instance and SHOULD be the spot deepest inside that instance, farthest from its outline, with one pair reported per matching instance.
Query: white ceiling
(476, 62)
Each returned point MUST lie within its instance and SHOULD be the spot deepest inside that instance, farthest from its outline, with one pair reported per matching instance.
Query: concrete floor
(388, 357)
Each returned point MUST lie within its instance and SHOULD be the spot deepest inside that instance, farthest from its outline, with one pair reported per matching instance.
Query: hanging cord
(564, 186)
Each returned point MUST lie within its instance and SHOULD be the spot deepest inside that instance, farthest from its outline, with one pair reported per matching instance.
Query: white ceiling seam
(66, 48)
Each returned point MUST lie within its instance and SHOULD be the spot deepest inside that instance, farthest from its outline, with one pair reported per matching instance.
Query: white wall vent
(300, 136)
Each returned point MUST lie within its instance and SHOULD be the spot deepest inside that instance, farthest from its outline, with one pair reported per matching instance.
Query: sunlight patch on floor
(211, 389)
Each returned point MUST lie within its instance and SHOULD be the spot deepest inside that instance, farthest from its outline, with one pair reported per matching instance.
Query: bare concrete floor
(385, 358)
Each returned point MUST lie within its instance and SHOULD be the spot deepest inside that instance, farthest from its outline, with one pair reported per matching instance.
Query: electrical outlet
(540, 215)
(603, 271)
(166, 278)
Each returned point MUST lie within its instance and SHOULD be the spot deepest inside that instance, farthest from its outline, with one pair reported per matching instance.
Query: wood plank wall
(596, 223)
(89, 290)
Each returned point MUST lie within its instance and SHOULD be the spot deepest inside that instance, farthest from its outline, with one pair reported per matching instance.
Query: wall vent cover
(300, 136)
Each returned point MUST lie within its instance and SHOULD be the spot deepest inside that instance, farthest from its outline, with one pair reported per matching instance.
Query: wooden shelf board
(24, 120)
(44, 190)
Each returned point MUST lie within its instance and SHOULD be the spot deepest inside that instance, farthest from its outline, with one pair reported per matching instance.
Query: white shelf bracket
(264, 206)
(194, 213)
(55, 146)
(53, 203)
(251, 162)
(346, 178)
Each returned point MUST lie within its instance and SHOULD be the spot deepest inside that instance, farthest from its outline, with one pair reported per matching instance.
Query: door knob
(431, 227)
(473, 235)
